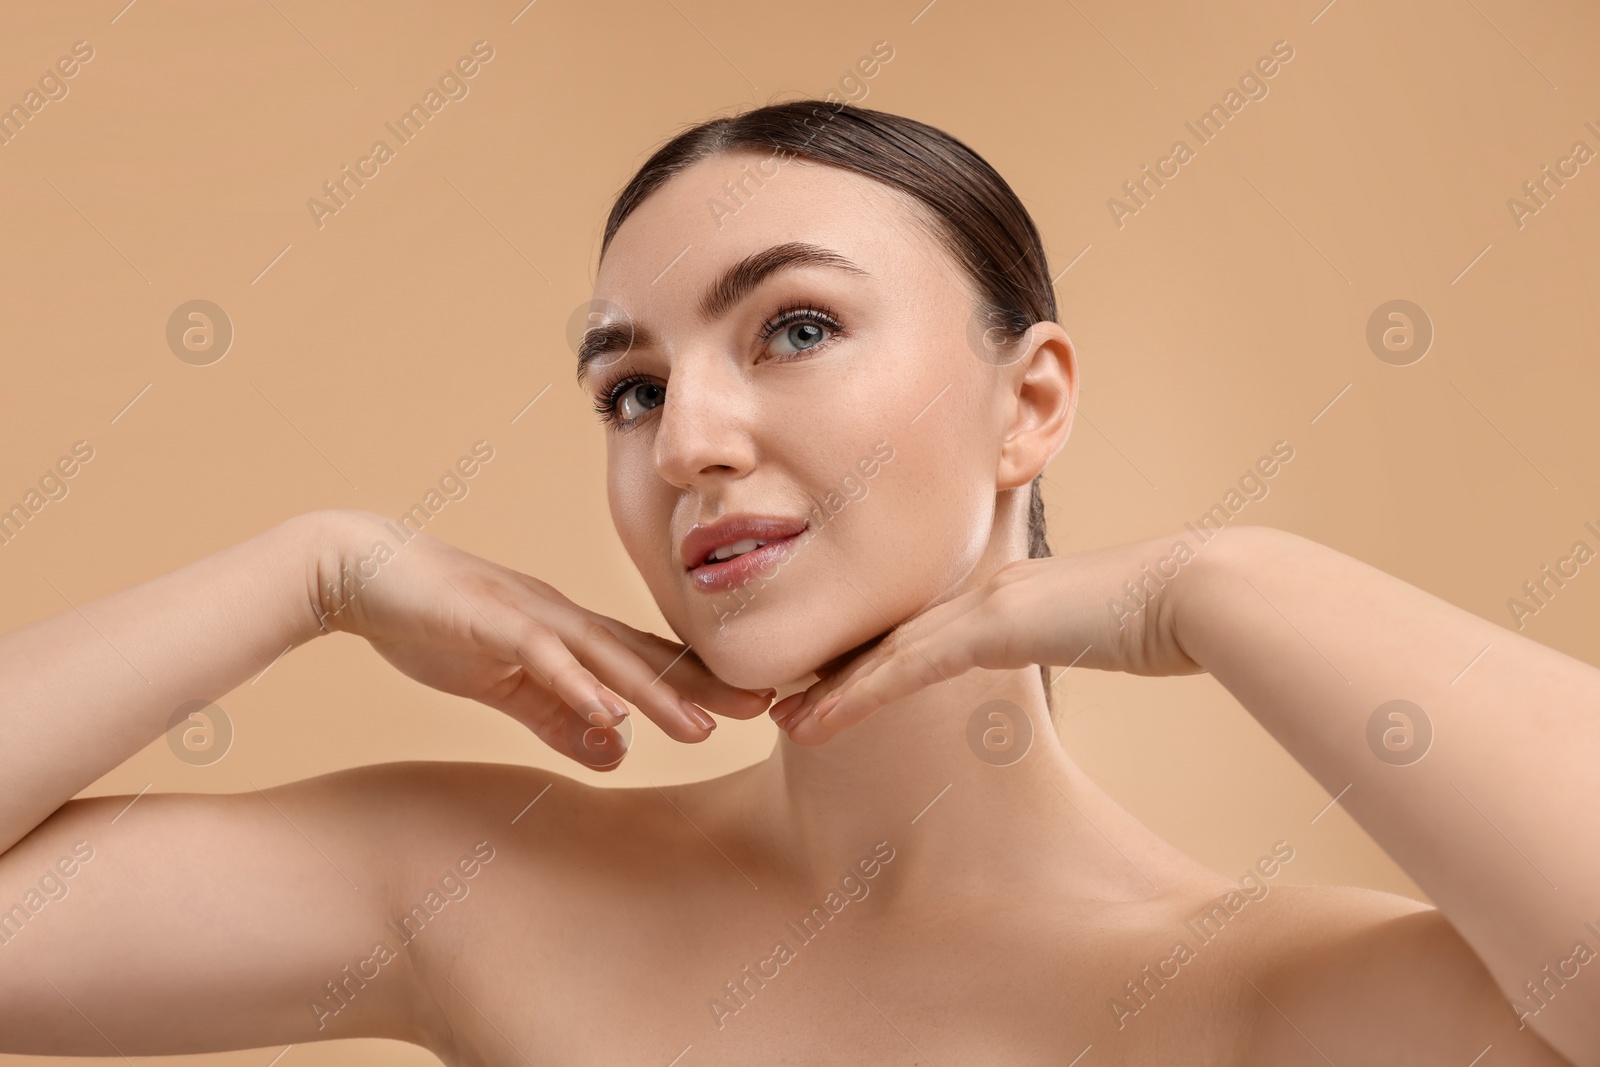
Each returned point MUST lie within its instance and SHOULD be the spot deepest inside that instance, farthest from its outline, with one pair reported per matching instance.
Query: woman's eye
(797, 330)
(799, 336)
(635, 400)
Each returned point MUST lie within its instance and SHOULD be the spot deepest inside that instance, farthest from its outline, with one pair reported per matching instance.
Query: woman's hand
(1061, 610)
(466, 626)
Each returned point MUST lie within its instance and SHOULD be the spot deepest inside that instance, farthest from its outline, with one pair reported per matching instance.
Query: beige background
(1224, 316)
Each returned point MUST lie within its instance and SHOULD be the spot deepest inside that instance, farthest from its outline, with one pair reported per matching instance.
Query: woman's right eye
(633, 400)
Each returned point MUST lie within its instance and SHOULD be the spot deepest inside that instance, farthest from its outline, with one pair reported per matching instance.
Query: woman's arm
(88, 687)
(176, 923)
(92, 685)
(1488, 795)
(179, 923)
(155, 924)
(1498, 820)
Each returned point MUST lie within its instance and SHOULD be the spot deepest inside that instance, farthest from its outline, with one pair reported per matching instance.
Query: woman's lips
(732, 573)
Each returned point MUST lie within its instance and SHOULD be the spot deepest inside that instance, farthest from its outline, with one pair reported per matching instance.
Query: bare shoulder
(1357, 975)
(417, 817)
(449, 853)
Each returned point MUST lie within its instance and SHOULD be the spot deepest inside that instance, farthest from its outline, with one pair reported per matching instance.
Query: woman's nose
(703, 432)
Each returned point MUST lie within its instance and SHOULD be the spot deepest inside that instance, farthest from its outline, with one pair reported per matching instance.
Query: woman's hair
(969, 205)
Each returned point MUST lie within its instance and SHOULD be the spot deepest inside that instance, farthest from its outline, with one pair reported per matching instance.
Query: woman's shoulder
(416, 807)
(1322, 958)
(420, 795)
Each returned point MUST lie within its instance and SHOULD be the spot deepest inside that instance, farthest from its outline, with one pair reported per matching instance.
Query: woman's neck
(968, 783)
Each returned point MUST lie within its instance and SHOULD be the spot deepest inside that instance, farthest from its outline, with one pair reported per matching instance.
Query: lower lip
(735, 572)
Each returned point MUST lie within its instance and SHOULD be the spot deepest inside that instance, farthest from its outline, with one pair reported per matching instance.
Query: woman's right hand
(473, 628)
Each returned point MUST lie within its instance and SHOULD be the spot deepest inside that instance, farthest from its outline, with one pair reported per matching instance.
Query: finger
(680, 668)
(785, 708)
(796, 707)
(543, 653)
(553, 657)
(604, 653)
(537, 707)
(518, 638)
(939, 657)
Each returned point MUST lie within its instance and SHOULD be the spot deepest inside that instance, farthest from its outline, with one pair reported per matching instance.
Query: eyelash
(606, 402)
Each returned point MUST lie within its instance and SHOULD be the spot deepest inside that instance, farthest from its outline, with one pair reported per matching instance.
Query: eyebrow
(735, 283)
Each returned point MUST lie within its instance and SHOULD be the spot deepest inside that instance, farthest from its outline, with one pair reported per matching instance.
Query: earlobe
(1046, 399)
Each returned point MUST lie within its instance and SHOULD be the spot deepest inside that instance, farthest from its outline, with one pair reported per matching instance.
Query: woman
(824, 345)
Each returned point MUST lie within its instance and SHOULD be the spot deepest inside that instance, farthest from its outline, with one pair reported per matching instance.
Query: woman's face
(802, 454)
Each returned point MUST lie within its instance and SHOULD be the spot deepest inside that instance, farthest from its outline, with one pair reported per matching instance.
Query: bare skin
(962, 912)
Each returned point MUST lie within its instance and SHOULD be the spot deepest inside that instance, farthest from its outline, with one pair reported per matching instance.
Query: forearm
(90, 686)
(1499, 821)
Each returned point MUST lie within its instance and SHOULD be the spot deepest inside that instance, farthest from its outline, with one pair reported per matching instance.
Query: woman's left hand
(1059, 611)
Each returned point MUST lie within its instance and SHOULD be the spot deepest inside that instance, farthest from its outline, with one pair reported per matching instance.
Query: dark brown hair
(968, 204)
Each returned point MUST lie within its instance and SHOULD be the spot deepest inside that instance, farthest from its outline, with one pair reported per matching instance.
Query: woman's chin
(776, 661)
(746, 671)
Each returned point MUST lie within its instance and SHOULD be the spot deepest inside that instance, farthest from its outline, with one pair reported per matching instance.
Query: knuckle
(595, 632)
(533, 634)
(569, 678)
(541, 588)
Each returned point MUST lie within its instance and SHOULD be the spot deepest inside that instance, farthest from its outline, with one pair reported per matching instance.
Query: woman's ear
(1045, 379)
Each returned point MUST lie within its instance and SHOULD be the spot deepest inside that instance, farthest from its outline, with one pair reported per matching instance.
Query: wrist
(344, 550)
(322, 543)
(1219, 568)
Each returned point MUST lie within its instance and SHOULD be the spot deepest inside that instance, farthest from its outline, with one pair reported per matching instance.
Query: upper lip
(702, 540)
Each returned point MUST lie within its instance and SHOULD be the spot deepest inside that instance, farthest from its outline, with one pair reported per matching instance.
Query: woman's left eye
(795, 331)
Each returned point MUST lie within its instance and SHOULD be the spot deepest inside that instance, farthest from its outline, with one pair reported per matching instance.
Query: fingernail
(797, 717)
(786, 707)
(610, 711)
(827, 706)
(706, 721)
